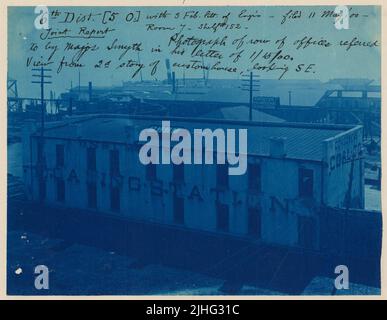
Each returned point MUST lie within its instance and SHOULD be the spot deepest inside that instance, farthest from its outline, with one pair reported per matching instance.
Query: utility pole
(40, 164)
(252, 84)
(42, 82)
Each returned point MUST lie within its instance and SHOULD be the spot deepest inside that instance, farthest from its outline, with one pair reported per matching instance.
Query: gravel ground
(82, 270)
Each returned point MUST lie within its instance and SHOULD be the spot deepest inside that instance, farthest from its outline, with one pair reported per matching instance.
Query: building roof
(303, 92)
(241, 113)
(352, 83)
(303, 141)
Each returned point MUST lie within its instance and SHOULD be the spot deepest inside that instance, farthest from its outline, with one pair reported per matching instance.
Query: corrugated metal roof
(303, 141)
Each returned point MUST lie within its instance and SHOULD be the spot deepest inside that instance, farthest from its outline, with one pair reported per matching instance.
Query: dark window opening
(114, 162)
(222, 175)
(60, 155)
(254, 176)
(92, 195)
(91, 159)
(151, 173)
(178, 173)
(60, 190)
(254, 222)
(305, 182)
(222, 217)
(178, 210)
(115, 199)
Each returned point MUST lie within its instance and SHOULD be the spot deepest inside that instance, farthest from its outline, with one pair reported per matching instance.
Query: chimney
(131, 133)
(173, 82)
(277, 147)
(168, 65)
(76, 129)
(90, 90)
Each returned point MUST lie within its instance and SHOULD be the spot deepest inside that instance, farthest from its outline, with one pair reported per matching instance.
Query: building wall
(344, 170)
(281, 207)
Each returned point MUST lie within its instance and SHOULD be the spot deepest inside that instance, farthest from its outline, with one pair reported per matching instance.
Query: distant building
(241, 113)
(293, 171)
(352, 83)
(302, 92)
(352, 100)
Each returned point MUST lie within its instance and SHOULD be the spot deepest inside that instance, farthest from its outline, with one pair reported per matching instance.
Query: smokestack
(167, 64)
(90, 90)
(173, 82)
(277, 147)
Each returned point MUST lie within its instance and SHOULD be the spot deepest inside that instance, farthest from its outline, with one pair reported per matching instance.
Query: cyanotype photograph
(194, 150)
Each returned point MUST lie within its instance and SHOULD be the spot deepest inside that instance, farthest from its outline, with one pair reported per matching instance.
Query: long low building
(293, 170)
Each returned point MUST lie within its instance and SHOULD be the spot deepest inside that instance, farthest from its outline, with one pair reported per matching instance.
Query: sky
(330, 63)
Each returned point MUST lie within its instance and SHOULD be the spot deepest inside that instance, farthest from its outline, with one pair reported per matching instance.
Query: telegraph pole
(253, 85)
(42, 82)
(40, 164)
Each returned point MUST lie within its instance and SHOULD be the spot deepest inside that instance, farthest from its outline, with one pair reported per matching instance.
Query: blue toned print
(194, 150)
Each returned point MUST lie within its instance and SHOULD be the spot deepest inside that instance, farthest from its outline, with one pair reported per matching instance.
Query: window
(305, 182)
(59, 155)
(222, 175)
(115, 199)
(178, 210)
(114, 162)
(254, 222)
(222, 223)
(254, 176)
(60, 190)
(151, 173)
(92, 195)
(178, 173)
(91, 159)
